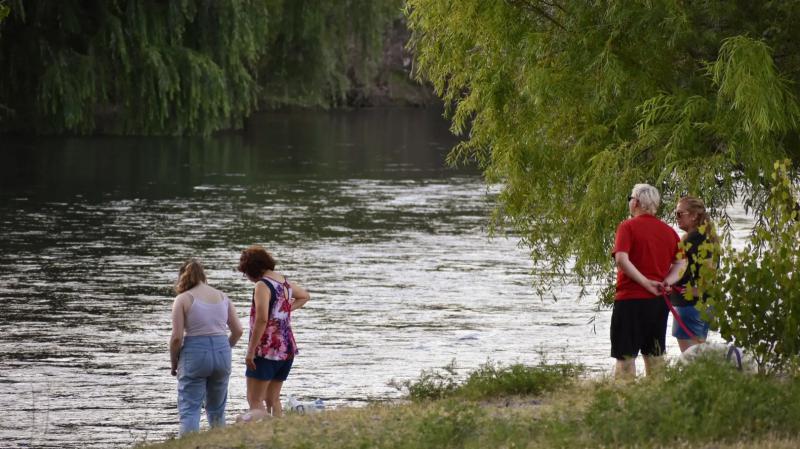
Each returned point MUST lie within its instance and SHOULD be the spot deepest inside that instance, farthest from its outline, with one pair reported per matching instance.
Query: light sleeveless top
(206, 318)
(277, 342)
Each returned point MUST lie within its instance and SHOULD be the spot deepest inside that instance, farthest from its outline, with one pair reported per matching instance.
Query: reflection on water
(356, 206)
(275, 150)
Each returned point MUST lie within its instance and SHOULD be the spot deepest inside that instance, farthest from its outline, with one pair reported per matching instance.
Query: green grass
(705, 401)
(704, 405)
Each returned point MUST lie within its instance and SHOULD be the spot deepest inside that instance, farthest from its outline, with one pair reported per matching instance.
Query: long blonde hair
(190, 274)
(703, 221)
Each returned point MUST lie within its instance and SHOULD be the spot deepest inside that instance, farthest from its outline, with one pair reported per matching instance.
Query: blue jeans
(204, 367)
(693, 320)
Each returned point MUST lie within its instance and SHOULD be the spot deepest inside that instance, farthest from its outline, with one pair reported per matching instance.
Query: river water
(357, 206)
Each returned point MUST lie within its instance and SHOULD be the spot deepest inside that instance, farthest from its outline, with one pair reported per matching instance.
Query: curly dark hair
(255, 260)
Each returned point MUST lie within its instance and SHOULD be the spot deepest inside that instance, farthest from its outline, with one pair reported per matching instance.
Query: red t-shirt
(651, 245)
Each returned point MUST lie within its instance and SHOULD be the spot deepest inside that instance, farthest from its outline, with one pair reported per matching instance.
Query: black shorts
(267, 369)
(638, 325)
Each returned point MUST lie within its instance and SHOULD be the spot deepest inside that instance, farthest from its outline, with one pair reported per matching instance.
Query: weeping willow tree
(321, 51)
(569, 103)
(183, 66)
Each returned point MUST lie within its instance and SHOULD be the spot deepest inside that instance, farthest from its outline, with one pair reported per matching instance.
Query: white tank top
(206, 318)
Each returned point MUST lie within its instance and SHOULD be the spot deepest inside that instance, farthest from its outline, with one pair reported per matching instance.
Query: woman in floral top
(272, 347)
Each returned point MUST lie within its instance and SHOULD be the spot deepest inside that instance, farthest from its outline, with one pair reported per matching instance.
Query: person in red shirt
(644, 251)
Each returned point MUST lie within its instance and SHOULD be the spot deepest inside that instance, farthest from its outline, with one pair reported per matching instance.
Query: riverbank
(703, 406)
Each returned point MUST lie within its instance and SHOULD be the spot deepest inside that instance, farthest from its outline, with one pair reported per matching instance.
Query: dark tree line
(182, 66)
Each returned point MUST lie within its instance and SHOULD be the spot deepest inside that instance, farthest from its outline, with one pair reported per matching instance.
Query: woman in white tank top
(200, 347)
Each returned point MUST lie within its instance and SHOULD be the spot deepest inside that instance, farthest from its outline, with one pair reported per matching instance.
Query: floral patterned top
(277, 342)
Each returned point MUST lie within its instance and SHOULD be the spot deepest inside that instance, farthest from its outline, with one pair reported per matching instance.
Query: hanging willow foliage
(320, 50)
(183, 66)
(569, 103)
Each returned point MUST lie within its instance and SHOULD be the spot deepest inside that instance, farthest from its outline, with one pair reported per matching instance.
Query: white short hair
(648, 197)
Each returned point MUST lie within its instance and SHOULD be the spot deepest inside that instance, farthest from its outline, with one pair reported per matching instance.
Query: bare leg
(686, 344)
(625, 369)
(653, 364)
(256, 392)
(274, 398)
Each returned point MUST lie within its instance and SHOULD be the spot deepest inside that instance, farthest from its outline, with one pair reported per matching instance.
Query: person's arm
(675, 273)
(624, 263)
(300, 296)
(234, 325)
(176, 339)
(262, 297)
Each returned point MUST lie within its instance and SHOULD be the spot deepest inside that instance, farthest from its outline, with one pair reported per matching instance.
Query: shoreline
(556, 409)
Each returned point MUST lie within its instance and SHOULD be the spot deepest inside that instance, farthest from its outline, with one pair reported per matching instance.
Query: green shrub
(757, 296)
(431, 384)
(492, 380)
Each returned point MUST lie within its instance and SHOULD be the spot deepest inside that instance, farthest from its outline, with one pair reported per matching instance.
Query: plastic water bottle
(294, 405)
(301, 408)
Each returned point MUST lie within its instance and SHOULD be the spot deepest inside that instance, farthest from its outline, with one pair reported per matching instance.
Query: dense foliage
(756, 299)
(158, 67)
(179, 67)
(322, 50)
(569, 104)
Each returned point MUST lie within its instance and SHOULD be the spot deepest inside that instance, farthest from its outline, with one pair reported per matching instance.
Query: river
(357, 206)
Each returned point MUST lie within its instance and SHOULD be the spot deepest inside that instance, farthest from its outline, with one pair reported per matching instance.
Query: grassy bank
(706, 405)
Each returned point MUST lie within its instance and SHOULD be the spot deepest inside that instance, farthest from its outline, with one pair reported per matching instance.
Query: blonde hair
(190, 274)
(702, 220)
(648, 197)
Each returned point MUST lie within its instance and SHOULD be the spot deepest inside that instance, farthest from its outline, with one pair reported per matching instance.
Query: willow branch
(528, 6)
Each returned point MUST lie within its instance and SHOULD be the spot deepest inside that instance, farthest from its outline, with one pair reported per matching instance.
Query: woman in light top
(271, 348)
(204, 329)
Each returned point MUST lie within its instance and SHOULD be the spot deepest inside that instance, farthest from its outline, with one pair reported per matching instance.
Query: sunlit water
(355, 206)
